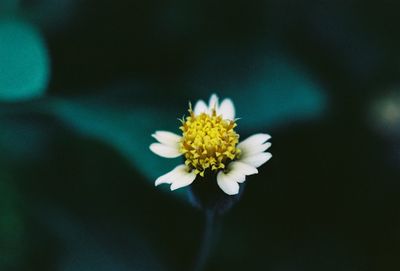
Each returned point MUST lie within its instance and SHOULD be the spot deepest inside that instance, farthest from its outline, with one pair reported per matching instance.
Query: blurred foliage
(385, 113)
(86, 248)
(12, 232)
(23, 139)
(50, 15)
(24, 63)
(7, 6)
(271, 81)
(127, 129)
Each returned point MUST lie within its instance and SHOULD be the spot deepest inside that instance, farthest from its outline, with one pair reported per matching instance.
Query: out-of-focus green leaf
(22, 139)
(268, 89)
(8, 6)
(24, 63)
(282, 94)
(12, 231)
(52, 15)
(127, 129)
(87, 248)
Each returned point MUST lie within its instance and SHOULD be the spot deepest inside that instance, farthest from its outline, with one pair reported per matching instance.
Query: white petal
(213, 103)
(238, 168)
(257, 159)
(167, 138)
(227, 109)
(255, 149)
(200, 107)
(236, 174)
(254, 144)
(228, 183)
(183, 178)
(173, 175)
(168, 177)
(256, 139)
(165, 150)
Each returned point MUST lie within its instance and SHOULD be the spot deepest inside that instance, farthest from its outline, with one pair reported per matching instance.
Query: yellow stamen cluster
(208, 141)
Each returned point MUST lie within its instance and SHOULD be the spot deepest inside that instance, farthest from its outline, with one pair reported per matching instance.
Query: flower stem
(206, 241)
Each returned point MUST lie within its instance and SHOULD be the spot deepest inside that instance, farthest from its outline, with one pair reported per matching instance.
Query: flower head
(210, 145)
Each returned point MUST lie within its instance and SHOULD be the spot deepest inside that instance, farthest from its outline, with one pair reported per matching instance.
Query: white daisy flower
(209, 144)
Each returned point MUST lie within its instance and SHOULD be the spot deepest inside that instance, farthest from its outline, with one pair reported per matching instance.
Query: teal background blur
(83, 84)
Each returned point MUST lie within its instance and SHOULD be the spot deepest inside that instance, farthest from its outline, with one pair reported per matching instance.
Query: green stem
(206, 243)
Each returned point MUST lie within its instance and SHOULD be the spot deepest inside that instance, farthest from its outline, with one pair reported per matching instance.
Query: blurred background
(83, 84)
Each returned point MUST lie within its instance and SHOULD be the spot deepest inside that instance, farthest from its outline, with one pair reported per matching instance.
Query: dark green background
(83, 84)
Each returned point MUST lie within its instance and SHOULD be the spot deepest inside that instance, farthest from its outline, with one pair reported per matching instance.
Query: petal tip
(227, 184)
(165, 150)
(151, 147)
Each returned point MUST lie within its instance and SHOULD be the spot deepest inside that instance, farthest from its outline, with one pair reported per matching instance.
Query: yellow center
(208, 142)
